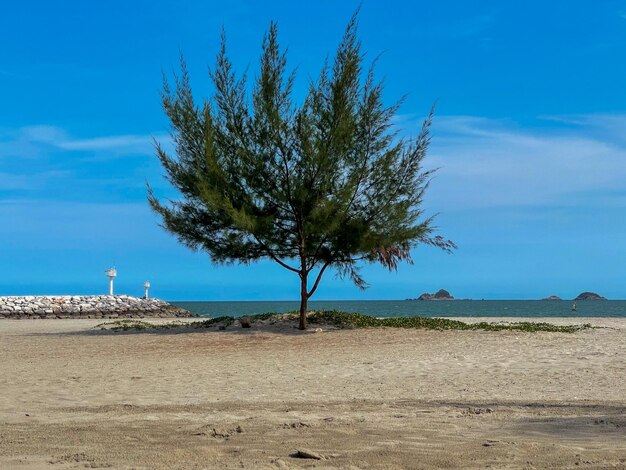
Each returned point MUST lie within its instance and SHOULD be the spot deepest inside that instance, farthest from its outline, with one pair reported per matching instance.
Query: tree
(323, 184)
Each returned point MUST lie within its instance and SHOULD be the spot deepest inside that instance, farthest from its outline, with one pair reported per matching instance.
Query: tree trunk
(303, 300)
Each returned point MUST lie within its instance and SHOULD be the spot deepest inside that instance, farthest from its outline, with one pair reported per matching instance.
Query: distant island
(553, 297)
(441, 294)
(589, 296)
(581, 296)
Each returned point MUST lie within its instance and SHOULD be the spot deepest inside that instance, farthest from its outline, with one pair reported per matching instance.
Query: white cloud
(609, 127)
(137, 142)
(9, 181)
(32, 181)
(39, 224)
(559, 160)
(34, 141)
(49, 158)
(42, 134)
(488, 163)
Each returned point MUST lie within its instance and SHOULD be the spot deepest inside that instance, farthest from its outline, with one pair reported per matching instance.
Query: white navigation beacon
(146, 286)
(111, 273)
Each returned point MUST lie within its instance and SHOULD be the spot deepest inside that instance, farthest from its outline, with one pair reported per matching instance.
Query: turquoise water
(406, 308)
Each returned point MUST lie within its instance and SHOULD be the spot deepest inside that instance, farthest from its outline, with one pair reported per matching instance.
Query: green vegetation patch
(339, 319)
(357, 320)
(125, 325)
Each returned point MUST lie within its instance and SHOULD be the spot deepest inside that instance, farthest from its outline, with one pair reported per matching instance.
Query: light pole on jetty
(111, 273)
(146, 286)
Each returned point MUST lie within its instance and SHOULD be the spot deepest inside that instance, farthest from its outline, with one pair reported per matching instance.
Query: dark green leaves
(324, 183)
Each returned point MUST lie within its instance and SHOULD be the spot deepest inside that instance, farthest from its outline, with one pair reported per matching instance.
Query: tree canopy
(324, 183)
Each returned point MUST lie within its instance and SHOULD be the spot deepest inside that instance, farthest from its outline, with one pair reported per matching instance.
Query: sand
(75, 397)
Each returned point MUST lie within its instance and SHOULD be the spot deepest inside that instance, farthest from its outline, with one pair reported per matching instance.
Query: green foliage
(353, 320)
(264, 316)
(129, 324)
(224, 320)
(322, 183)
(357, 320)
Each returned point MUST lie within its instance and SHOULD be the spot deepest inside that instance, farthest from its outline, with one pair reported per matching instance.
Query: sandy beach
(75, 397)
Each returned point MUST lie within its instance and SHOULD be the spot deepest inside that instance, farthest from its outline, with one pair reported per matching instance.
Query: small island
(552, 297)
(441, 294)
(589, 296)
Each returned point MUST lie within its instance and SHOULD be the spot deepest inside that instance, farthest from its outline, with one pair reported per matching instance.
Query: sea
(424, 308)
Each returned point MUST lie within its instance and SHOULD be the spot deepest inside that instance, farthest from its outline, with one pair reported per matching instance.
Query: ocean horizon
(425, 308)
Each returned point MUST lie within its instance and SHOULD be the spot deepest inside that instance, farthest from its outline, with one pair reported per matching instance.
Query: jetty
(87, 306)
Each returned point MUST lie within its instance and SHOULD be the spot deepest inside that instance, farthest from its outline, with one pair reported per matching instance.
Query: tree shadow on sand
(140, 327)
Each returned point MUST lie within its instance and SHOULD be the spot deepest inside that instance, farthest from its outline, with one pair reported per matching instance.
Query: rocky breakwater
(87, 306)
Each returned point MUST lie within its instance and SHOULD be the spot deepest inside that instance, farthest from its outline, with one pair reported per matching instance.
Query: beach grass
(357, 320)
(347, 320)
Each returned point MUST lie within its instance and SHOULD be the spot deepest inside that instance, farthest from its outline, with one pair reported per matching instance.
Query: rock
(295, 425)
(552, 297)
(87, 306)
(477, 411)
(441, 294)
(224, 434)
(246, 322)
(306, 454)
(589, 296)
(216, 433)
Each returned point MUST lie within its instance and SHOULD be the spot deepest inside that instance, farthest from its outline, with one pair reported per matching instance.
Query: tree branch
(282, 263)
(271, 254)
(317, 281)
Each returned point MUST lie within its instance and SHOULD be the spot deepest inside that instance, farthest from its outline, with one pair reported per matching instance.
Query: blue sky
(530, 136)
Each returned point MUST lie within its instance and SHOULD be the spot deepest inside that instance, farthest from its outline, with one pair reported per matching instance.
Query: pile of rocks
(87, 306)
